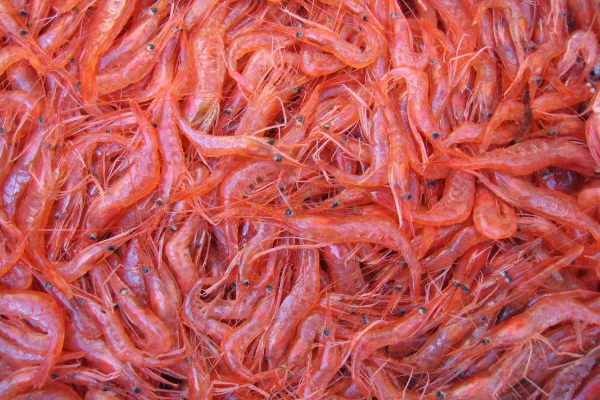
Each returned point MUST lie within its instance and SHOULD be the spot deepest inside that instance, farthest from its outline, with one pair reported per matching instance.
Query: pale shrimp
(142, 178)
(302, 297)
(550, 204)
(43, 311)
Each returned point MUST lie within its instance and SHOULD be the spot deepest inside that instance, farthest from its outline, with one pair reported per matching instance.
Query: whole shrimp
(493, 218)
(43, 311)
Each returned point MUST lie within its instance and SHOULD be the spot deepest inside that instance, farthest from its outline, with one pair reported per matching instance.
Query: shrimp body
(42, 310)
(493, 218)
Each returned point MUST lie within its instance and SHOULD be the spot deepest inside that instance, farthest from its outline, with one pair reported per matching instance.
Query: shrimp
(12, 54)
(103, 28)
(43, 311)
(545, 313)
(493, 218)
(52, 391)
(592, 134)
(178, 253)
(302, 297)
(462, 241)
(583, 42)
(358, 229)
(236, 341)
(344, 269)
(520, 193)
(142, 178)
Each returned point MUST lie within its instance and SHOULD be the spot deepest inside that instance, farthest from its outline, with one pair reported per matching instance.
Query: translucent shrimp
(454, 207)
(550, 204)
(43, 311)
(493, 218)
(301, 299)
(142, 178)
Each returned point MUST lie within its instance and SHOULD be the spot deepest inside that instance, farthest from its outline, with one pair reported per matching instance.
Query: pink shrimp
(344, 269)
(554, 205)
(178, 253)
(300, 300)
(592, 134)
(493, 218)
(141, 179)
(456, 205)
(43, 311)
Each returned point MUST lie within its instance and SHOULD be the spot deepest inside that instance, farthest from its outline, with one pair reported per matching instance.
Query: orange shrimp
(592, 134)
(178, 253)
(141, 179)
(493, 218)
(12, 54)
(41, 309)
(553, 205)
(302, 297)
(454, 207)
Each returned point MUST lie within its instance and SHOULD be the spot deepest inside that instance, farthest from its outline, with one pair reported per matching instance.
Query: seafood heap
(319, 199)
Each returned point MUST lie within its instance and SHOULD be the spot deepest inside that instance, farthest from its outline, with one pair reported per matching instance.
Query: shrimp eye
(187, 360)
(545, 175)
(1, 130)
(431, 182)
(297, 89)
(56, 216)
(40, 120)
(365, 320)
(488, 114)
(151, 47)
(435, 135)
(105, 389)
(229, 111)
(282, 187)
(537, 80)
(271, 141)
(553, 132)
(487, 340)
(409, 196)
(136, 389)
(508, 279)
(595, 73)
(22, 32)
(145, 270)
(432, 61)
(110, 248)
(465, 288)
(483, 318)
(404, 263)
(160, 202)
(116, 306)
(23, 12)
(173, 229)
(441, 395)
(402, 311)
(422, 310)
(154, 125)
(394, 15)
(327, 127)
(269, 288)
(123, 292)
(153, 10)
(300, 120)
(326, 332)
(364, 17)
(335, 203)
(246, 282)
(277, 158)
(345, 139)
(72, 60)
(309, 197)
(399, 287)
(48, 284)
(77, 85)
(298, 34)
(79, 301)
(107, 130)
(288, 213)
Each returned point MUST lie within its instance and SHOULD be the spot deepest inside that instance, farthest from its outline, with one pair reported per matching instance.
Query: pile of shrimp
(309, 199)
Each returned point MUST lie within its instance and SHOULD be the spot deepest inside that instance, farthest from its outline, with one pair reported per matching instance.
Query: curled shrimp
(493, 218)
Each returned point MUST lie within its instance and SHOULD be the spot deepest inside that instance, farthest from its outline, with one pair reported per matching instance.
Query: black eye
(288, 213)
(537, 80)
(595, 73)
